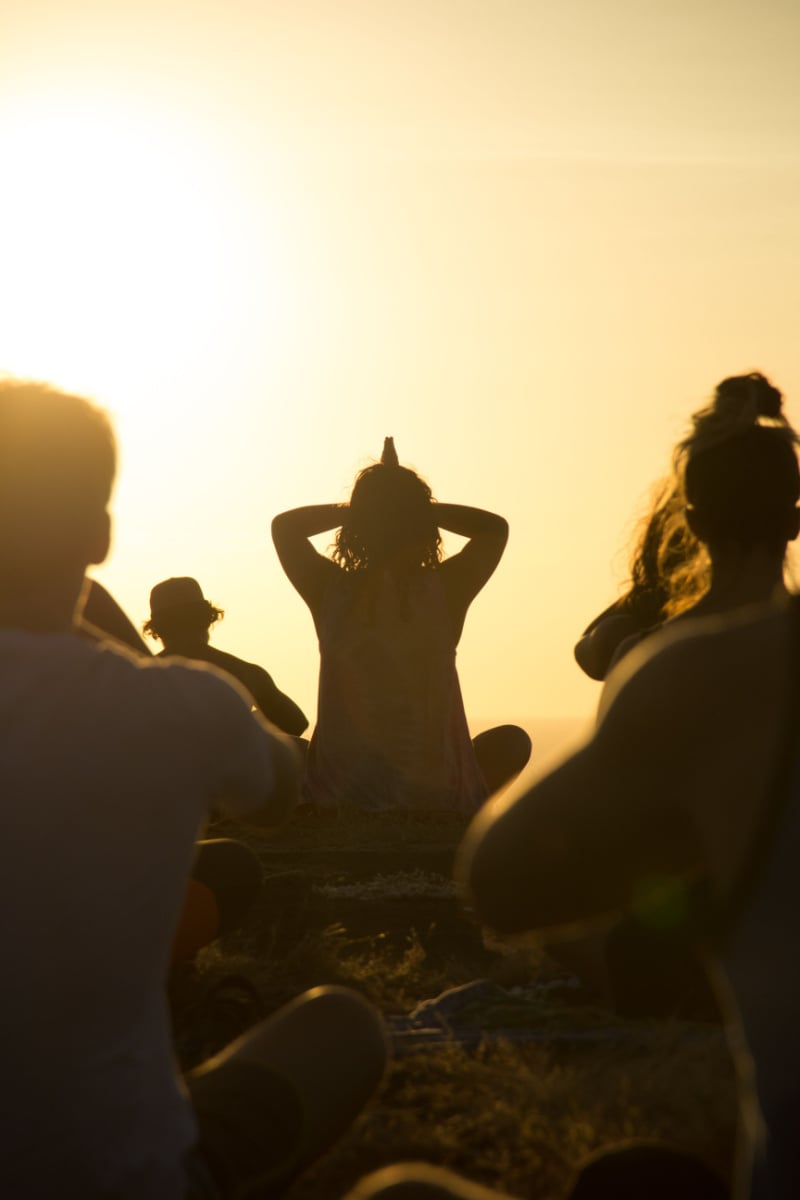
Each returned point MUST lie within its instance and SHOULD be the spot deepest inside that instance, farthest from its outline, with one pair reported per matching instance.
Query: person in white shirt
(109, 764)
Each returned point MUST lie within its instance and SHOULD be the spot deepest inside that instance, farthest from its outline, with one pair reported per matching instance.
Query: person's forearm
(308, 521)
(284, 713)
(469, 522)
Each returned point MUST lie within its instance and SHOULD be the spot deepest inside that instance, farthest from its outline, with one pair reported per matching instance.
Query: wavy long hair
(669, 565)
(736, 468)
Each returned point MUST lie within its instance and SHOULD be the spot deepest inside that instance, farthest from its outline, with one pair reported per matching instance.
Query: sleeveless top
(760, 956)
(391, 730)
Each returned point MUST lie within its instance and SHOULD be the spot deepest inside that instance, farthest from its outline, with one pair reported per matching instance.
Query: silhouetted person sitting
(737, 479)
(109, 764)
(226, 875)
(391, 729)
(717, 537)
(181, 618)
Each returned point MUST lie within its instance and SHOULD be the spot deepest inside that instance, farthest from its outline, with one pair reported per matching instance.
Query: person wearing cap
(391, 728)
(181, 618)
(109, 765)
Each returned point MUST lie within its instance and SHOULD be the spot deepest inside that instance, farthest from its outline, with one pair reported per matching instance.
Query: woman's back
(391, 728)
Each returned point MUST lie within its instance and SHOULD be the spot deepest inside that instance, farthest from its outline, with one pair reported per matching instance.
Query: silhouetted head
(179, 610)
(389, 520)
(640, 1169)
(738, 468)
(57, 465)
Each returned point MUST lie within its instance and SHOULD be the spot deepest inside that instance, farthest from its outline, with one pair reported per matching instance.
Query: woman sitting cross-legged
(391, 728)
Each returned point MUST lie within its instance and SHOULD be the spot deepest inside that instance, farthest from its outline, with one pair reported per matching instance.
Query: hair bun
(748, 397)
(389, 455)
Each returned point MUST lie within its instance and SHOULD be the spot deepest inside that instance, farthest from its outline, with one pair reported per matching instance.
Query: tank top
(391, 730)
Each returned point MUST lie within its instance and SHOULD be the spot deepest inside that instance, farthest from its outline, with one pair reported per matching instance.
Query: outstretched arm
(307, 569)
(465, 573)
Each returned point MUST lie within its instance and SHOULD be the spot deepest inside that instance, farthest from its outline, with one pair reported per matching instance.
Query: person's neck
(48, 606)
(742, 577)
(187, 645)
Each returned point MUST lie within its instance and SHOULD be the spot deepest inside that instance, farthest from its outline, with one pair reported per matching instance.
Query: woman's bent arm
(307, 569)
(465, 573)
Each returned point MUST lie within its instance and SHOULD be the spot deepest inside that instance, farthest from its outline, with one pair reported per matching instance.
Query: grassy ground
(540, 1076)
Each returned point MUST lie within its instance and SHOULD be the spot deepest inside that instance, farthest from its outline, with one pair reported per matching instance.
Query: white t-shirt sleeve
(238, 746)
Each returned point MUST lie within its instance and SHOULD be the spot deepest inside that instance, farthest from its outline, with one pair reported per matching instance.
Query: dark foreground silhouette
(109, 764)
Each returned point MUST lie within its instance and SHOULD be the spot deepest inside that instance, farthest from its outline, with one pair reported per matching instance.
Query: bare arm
(465, 573)
(307, 569)
(671, 784)
(277, 707)
(607, 644)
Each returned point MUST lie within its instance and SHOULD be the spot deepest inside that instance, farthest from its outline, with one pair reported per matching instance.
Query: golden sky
(524, 238)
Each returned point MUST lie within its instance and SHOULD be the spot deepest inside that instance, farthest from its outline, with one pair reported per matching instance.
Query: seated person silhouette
(226, 876)
(391, 729)
(718, 535)
(181, 618)
(109, 764)
(737, 480)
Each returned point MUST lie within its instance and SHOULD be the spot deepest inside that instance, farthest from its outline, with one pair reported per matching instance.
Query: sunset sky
(525, 238)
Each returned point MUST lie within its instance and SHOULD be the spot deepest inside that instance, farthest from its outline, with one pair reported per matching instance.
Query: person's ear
(100, 540)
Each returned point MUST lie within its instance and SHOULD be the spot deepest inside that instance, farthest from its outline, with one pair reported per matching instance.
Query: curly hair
(193, 618)
(669, 566)
(389, 518)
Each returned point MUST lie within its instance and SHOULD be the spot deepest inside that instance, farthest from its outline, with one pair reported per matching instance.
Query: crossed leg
(502, 753)
(277, 1098)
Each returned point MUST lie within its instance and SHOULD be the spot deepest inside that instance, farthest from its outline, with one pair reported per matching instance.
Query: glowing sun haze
(525, 239)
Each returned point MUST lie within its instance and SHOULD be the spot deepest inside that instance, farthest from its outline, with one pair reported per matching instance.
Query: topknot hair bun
(748, 397)
(389, 455)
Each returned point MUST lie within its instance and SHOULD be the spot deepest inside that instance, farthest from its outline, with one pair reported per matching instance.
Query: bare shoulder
(705, 707)
(672, 781)
(708, 669)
